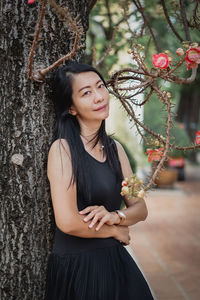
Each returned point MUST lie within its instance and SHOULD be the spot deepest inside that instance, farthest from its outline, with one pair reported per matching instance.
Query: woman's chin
(104, 116)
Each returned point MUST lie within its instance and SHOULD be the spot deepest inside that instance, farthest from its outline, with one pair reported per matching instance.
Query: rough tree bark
(26, 123)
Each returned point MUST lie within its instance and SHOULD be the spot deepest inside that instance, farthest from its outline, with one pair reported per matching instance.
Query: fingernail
(85, 219)
(80, 212)
(90, 225)
(97, 229)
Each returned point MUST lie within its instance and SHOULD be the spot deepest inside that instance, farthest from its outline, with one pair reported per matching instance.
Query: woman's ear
(72, 111)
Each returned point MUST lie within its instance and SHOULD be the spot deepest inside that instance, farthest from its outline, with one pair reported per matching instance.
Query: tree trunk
(26, 125)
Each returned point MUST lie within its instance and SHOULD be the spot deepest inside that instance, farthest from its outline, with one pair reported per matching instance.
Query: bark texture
(26, 125)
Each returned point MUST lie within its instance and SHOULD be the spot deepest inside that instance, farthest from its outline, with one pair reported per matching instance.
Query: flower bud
(169, 95)
(194, 45)
(170, 59)
(186, 44)
(124, 190)
(180, 52)
(141, 194)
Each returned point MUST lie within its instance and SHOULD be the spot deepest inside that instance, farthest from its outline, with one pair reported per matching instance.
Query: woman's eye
(86, 93)
(101, 85)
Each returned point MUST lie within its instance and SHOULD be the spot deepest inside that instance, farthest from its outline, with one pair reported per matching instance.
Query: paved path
(167, 245)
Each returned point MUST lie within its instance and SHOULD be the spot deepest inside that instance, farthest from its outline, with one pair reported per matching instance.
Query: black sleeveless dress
(94, 268)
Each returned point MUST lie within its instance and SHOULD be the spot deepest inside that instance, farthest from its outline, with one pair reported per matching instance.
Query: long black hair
(67, 127)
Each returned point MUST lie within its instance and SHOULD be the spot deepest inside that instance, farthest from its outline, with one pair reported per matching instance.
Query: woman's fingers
(95, 219)
(99, 215)
(88, 209)
(95, 213)
(90, 216)
(103, 221)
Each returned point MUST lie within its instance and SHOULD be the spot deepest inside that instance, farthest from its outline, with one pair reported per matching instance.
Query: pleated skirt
(108, 273)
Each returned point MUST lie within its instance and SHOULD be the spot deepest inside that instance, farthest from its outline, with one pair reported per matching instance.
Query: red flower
(161, 60)
(191, 65)
(31, 1)
(154, 154)
(197, 140)
(124, 183)
(192, 58)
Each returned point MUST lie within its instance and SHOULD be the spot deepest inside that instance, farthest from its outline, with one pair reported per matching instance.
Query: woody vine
(128, 83)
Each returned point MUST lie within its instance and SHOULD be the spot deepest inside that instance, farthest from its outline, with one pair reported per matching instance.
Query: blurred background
(167, 245)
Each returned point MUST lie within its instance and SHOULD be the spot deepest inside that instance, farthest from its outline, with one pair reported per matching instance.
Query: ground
(167, 245)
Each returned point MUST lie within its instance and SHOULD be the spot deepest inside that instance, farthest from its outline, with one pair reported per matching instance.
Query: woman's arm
(63, 194)
(136, 207)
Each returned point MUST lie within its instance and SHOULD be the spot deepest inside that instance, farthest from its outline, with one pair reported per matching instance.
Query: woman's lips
(101, 107)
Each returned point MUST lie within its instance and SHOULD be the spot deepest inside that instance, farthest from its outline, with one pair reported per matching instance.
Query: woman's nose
(98, 96)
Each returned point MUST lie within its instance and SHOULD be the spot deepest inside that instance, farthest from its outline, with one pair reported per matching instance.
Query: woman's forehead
(85, 79)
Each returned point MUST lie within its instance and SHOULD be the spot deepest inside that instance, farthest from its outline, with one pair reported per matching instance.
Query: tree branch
(35, 41)
(185, 21)
(109, 32)
(141, 10)
(92, 4)
(169, 21)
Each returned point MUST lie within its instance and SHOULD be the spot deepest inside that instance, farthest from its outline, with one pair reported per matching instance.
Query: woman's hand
(101, 215)
(122, 235)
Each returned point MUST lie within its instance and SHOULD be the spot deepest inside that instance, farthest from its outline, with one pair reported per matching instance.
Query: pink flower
(197, 140)
(161, 60)
(31, 1)
(124, 183)
(180, 52)
(192, 58)
(191, 65)
(154, 154)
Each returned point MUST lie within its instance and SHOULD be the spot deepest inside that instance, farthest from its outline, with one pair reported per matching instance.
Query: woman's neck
(89, 131)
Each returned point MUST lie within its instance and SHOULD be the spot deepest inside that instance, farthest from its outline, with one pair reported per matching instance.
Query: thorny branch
(169, 21)
(35, 41)
(125, 82)
(76, 34)
(97, 63)
(146, 22)
(185, 21)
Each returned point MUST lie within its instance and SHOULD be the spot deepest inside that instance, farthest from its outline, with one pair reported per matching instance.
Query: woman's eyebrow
(88, 86)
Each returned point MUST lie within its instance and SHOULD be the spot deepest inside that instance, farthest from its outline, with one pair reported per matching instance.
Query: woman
(85, 170)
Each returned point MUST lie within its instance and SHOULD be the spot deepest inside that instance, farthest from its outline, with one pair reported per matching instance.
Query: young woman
(85, 170)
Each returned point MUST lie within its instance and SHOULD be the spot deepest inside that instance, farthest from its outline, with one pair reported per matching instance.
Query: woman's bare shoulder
(120, 149)
(58, 157)
(125, 164)
(59, 145)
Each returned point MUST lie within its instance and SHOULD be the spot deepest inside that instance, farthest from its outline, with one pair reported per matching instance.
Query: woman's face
(90, 97)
